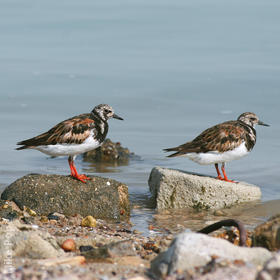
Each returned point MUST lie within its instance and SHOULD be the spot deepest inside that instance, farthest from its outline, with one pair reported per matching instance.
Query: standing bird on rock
(74, 136)
(222, 143)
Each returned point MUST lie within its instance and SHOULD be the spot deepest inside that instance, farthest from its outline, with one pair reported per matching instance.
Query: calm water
(170, 69)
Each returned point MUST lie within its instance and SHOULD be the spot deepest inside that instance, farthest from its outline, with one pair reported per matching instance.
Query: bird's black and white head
(105, 112)
(251, 119)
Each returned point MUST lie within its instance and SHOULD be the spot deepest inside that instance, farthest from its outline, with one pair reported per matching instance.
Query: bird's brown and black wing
(71, 131)
(220, 138)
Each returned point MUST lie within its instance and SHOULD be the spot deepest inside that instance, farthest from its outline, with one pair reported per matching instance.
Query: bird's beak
(117, 117)
(262, 123)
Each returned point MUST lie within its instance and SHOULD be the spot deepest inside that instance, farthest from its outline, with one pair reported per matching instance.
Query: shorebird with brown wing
(221, 143)
(74, 136)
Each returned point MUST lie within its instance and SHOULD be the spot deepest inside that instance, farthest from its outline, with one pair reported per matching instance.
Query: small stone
(68, 245)
(44, 219)
(88, 221)
(31, 212)
(51, 216)
(219, 213)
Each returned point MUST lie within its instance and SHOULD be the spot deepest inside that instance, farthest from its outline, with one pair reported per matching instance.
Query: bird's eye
(253, 119)
(107, 111)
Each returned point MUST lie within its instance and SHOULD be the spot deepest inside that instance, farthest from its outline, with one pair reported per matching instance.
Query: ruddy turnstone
(74, 136)
(222, 143)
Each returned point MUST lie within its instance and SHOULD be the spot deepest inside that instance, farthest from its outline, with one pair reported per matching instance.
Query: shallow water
(169, 69)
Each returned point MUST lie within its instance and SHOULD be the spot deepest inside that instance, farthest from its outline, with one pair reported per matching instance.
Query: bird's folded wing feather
(222, 137)
(71, 131)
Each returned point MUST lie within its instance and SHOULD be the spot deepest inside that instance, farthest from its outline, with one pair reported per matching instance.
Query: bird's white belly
(216, 157)
(69, 149)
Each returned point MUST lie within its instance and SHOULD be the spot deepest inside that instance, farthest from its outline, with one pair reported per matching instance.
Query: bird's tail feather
(178, 152)
(21, 148)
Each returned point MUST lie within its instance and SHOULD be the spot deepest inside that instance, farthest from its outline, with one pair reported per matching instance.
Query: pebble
(44, 219)
(219, 213)
(88, 221)
(53, 217)
(68, 245)
(31, 212)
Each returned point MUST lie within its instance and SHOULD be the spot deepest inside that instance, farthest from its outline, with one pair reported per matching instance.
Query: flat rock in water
(189, 250)
(177, 189)
(101, 198)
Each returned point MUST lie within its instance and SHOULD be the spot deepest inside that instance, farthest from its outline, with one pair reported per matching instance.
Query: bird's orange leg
(218, 172)
(74, 172)
(225, 175)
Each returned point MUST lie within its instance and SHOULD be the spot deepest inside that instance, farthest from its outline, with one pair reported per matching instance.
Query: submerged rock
(102, 198)
(176, 189)
(109, 151)
(267, 235)
(189, 250)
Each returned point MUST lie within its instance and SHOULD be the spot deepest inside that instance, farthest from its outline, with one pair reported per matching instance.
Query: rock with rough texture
(177, 189)
(102, 198)
(22, 240)
(189, 250)
(271, 270)
(267, 235)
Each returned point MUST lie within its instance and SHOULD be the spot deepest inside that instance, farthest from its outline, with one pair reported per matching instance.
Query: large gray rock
(101, 198)
(177, 189)
(189, 250)
(19, 240)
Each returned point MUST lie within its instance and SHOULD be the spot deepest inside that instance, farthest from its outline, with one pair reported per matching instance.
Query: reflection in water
(103, 167)
(108, 166)
(177, 220)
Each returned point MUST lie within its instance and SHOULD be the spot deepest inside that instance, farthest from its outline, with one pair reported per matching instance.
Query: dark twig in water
(228, 223)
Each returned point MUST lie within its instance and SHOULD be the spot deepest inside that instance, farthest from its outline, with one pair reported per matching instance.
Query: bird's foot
(226, 179)
(81, 177)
